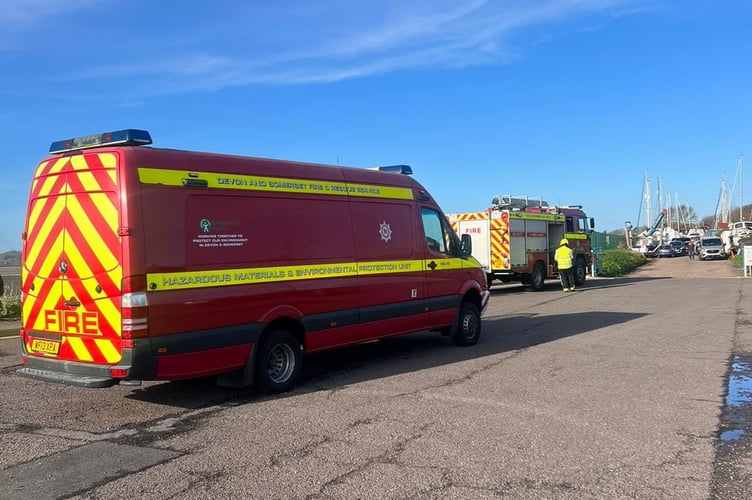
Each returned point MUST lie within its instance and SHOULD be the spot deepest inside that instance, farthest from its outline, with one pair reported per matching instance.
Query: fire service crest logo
(385, 232)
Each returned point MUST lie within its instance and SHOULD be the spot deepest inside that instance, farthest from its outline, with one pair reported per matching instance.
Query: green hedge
(619, 261)
(10, 306)
(10, 301)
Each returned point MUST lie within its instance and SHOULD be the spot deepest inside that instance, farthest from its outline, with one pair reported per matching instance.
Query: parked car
(684, 239)
(665, 250)
(711, 248)
(678, 247)
(649, 250)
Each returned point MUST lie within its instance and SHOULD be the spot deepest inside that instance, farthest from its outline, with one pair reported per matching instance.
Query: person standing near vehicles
(731, 249)
(691, 250)
(564, 259)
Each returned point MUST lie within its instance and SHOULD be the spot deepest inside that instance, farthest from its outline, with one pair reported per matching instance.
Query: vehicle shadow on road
(345, 366)
(619, 282)
(591, 284)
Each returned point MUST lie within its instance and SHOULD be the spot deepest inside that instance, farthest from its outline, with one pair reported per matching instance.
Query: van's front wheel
(279, 362)
(468, 325)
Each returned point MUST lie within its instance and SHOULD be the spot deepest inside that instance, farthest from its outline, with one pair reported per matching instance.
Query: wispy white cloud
(19, 17)
(20, 14)
(325, 41)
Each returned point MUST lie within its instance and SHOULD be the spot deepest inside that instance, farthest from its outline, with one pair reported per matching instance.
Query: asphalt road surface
(635, 387)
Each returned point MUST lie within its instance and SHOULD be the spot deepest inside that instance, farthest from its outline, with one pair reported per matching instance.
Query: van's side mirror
(592, 223)
(466, 246)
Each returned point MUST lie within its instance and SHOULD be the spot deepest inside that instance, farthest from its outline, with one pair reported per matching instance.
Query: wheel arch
(246, 376)
(471, 295)
(288, 324)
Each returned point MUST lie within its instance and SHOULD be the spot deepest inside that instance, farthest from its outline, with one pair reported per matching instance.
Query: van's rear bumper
(88, 375)
(66, 378)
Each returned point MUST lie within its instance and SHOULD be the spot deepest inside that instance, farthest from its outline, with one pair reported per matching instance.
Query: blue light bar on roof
(398, 169)
(128, 137)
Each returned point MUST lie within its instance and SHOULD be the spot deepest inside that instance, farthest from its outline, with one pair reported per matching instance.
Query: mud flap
(239, 379)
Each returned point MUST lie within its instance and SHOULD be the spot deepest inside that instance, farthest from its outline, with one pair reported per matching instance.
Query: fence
(605, 241)
(601, 242)
(11, 280)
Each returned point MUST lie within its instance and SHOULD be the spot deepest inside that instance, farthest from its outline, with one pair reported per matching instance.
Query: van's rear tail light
(134, 307)
(118, 373)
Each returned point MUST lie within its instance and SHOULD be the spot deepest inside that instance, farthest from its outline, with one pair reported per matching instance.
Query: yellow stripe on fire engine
(248, 276)
(272, 184)
(500, 244)
(536, 216)
(576, 236)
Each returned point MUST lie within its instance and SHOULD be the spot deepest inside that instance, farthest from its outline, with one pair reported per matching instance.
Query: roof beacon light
(128, 137)
(397, 169)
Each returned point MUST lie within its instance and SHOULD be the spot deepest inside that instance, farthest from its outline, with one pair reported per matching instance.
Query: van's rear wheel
(278, 362)
(468, 325)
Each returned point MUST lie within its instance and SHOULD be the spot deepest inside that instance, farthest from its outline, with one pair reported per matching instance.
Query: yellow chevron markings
(90, 232)
(109, 160)
(46, 228)
(108, 350)
(79, 348)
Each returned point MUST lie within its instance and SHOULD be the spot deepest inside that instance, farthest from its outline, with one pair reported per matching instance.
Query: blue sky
(568, 100)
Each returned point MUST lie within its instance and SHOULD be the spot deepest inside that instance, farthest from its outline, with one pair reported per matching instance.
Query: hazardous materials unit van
(515, 239)
(142, 263)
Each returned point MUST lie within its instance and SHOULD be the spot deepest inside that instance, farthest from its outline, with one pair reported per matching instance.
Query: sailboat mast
(741, 186)
(660, 205)
(648, 219)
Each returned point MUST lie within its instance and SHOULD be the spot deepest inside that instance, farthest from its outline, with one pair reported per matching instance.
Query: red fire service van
(142, 263)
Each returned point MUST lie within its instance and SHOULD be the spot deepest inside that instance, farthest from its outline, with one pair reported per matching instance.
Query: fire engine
(515, 239)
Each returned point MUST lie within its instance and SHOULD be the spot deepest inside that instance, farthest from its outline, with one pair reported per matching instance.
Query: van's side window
(439, 235)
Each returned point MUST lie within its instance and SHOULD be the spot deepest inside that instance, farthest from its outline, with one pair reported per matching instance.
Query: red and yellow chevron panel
(500, 242)
(472, 216)
(454, 219)
(72, 273)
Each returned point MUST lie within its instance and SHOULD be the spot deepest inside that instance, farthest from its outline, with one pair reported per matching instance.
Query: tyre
(468, 325)
(278, 362)
(580, 271)
(537, 279)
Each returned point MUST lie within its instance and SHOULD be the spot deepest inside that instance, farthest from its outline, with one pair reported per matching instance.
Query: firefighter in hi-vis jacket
(564, 259)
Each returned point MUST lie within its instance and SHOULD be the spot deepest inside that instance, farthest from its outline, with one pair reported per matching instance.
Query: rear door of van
(72, 260)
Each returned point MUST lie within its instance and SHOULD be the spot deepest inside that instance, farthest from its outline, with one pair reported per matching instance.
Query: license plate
(45, 346)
